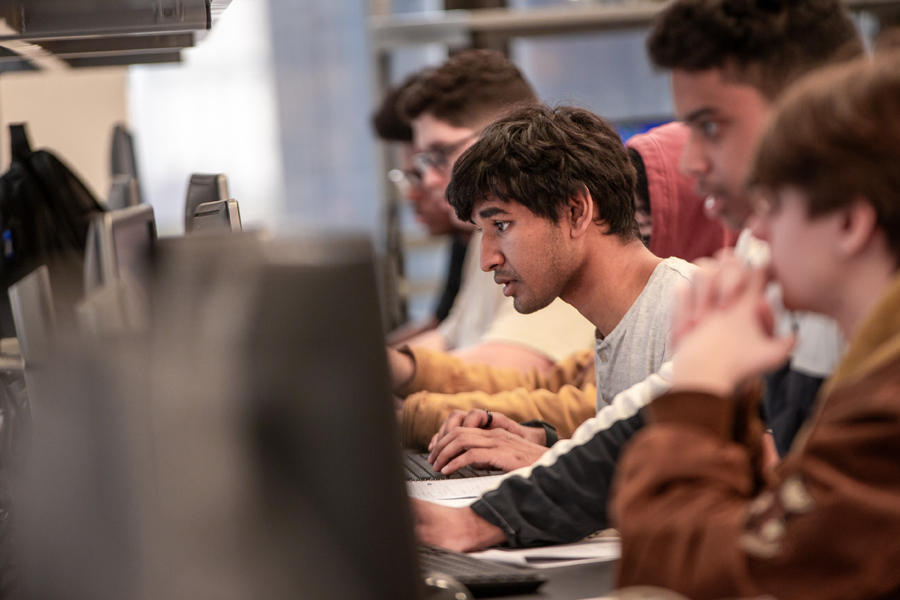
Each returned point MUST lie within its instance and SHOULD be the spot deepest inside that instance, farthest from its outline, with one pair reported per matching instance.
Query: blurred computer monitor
(124, 190)
(34, 314)
(31, 299)
(279, 369)
(203, 188)
(222, 215)
(122, 160)
(254, 454)
(117, 270)
(118, 246)
(320, 385)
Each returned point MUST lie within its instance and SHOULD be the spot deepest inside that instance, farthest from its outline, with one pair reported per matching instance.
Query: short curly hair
(540, 157)
(389, 122)
(469, 90)
(770, 43)
(836, 137)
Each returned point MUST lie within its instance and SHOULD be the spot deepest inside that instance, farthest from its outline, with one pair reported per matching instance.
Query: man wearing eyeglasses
(447, 108)
(391, 126)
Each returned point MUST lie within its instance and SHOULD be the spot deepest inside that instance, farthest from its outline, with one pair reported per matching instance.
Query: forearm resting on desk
(459, 529)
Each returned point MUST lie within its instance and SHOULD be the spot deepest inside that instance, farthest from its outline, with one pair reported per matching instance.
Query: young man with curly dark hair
(448, 106)
(730, 60)
(553, 191)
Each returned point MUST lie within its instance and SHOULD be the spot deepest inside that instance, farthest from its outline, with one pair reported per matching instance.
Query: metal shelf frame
(458, 28)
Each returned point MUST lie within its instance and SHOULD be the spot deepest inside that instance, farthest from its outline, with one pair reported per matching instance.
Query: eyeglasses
(438, 158)
(405, 180)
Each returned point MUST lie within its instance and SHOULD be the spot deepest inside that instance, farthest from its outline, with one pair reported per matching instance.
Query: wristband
(549, 430)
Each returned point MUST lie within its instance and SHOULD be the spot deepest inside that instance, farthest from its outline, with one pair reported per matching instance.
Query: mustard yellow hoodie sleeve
(445, 374)
(565, 409)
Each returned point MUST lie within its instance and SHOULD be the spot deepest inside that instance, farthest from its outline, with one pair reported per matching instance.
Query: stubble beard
(554, 268)
(526, 308)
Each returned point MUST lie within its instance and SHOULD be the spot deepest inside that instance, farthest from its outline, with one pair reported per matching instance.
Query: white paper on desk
(450, 489)
(562, 555)
(451, 502)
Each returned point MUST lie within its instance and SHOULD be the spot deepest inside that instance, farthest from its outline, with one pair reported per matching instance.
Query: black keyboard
(418, 469)
(482, 577)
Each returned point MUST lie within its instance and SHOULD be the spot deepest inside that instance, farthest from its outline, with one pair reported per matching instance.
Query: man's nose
(491, 257)
(693, 161)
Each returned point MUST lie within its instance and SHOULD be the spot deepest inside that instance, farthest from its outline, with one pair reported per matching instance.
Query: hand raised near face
(716, 285)
(723, 331)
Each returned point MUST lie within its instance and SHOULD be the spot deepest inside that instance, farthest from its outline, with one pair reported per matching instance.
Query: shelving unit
(459, 28)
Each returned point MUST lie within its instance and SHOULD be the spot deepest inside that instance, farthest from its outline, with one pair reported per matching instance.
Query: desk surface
(575, 583)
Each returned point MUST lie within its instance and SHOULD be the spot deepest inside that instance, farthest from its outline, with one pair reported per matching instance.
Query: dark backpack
(45, 212)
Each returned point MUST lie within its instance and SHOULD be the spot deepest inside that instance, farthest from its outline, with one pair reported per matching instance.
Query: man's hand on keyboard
(480, 418)
(496, 448)
(459, 529)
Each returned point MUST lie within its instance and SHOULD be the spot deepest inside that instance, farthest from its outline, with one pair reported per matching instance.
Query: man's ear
(858, 226)
(579, 212)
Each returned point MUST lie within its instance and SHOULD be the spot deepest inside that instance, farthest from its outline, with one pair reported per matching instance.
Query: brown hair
(767, 44)
(540, 157)
(388, 120)
(469, 90)
(836, 136)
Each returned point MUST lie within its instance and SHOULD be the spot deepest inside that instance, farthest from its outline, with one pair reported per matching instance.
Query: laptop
(417, 468)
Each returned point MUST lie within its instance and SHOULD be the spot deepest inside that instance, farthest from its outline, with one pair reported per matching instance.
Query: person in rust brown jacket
(695, 511)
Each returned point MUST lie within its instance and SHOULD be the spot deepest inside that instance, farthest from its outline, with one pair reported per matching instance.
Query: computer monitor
(34, 314)
(249, 450)
(320, 388)
(203, 188)
(124, 189)
(123, 192)
(31, 299)
(277, 365)
(122, 161)
(119, 244)
(116, 272)
(222, 215)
